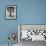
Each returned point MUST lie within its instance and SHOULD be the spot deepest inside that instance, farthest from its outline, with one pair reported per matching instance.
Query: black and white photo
(10, 12)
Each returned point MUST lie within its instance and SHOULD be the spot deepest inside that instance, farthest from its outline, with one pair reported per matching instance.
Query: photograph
(10, 12)
(29, 34)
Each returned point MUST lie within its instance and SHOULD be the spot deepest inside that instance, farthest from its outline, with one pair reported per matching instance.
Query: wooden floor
(30, 43)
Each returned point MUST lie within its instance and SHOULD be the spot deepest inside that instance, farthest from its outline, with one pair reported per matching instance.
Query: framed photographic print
(10, 12)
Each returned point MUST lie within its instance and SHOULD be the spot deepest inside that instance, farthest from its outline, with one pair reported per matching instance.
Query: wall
(28, 12)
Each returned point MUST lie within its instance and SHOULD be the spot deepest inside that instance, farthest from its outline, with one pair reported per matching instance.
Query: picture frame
(10, 12)
(39, 28)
